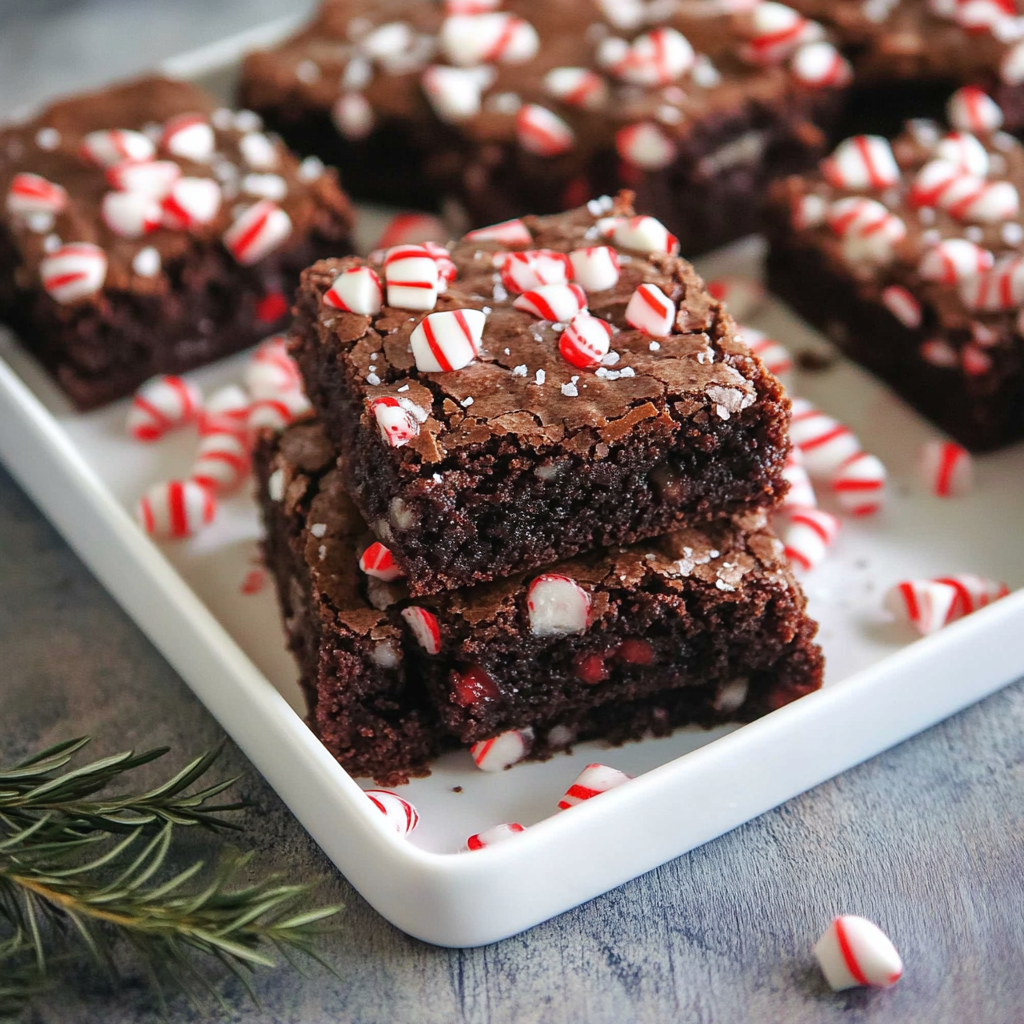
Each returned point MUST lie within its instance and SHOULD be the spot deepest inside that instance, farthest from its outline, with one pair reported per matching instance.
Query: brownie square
(911, 263)
(519, 457)
(700, 626)
(146, 230)
(536, 107)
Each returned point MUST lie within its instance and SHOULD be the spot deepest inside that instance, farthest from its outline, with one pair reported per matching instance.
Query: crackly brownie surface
(910, 257)
(145, 229)
(519, 457)
(532, 107)
(699, 626)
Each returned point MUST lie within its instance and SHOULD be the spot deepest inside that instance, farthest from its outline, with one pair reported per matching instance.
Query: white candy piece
(558, 303)
(1011, 68)
(111, 146)
(271, 371)
(774, 355)
(808, 536)
(471, 39)
(557, 605)
(495, 834)
(130, 214)
(542, 132)
(594, 780)
(776, 30)
(821, 66)
(276, 413)
(970, 109)
(257, 232)
(225, 411)
(154, 178)
(508, 232)
(860, 163)
(356, 290)
(650, 310)
(859, 484)
(501, 752)
(353, 116)
(576, 87)
(398, 812)
(823, 441)
(801, 492)
(31, 193)
(188, 136)
(258, 151)
(176, 509)
(595, 268)
(964, 152)
(644, 234)
(424, 628)
(743, 295)
(854, 952)
(645, 145)
(585, 342)
(73, 271)
(955, 260)
(411, 276)
(162, 404)
(398, 419)
(869, 230)
(447, 341)
(945, 469)
(533, 268)
(191, 202)
(454, 93)
(221, 463)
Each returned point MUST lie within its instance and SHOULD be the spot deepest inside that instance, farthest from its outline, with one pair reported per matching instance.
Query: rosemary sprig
(78, 872)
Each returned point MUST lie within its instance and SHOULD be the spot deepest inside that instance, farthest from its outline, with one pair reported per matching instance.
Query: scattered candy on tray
(945, 469)
(162, 404)
(854, 952)
(742, 295)
(928, 605)
(222, 462)
(397, 811)
(859, 484)
(594, 780)
(501, 752)
(824, 442)
(801, 491)
(808, 536)
(775, 356)
(177, 509)
(495, 834)
(271, 371)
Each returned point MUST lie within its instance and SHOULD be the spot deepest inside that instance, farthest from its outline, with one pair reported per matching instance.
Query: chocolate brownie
(911, 258)
(539, 106)
(699, 626)
(146, 230)
(538, 445)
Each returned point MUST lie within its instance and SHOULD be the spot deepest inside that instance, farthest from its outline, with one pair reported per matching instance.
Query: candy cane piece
(412, 229)
(271, 371)
(356, 290)
(823, 441)
(650, 310)
(188, 136)
(862, 162)
(191, 203)
(902, 305)
(927, 605)
(257, 232)
(523, 271)
(398, 812)
(32, 193)
(595, 268)
(377, 561)
(644, 234)
(411, 276)
(557, 605)
(398, 419)
(278, 412)
(556, 302)
(110, 146)
(775, 32)
(954, 261)
(585, 342)
(576, 87)
(743, 295)
(153, 178)
(774, 355)
(73, 271)
(645, 145)
(821, 66)
(594, 780)
(446, 341)
(221, 463)
(945, 469)
(225, 412)
(503, 751)
(495, 834)
(542, 132)
(808, 536)
(964, 152)
(801, 492)
(161, 404)
(970, 109)
(130, 214)
(859, 484)
(508, 232)
(424, 626)
(471, 39)
(176, 509)
(854, 952)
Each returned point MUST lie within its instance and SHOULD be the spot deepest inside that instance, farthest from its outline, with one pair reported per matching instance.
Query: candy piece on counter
(397, 811)
(501, 752)
(495, 834)
(823, 441)
(162, 404)
(808, 536)
(176, 509)
(271, 371)
(859, 484)
(221, 463)
(594, 780)
(743, 296)
(854, 952)
(945, 468)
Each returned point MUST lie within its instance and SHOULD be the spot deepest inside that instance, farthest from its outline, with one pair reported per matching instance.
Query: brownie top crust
(557, 77)
(114, 186)
(690, 369)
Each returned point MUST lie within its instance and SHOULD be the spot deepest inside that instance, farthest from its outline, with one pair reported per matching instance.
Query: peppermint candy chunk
(278, 412)
(508, 232)
(542, 132)
(162, 404)
(398, 812)
(191, 203)
(153, 178)
(176, 509)
(945, 469)
(493, 835)
(775, 32)
(557, 605)
(595, 268)
(73, 271)
(774, 355)
(257, 232)
(743, 295)
(801, 492)
(974, 199)
(854, 952)
(225, 412)
(32, 193)
(454, 93)
(378, 562)
(397, 419)
(954, 261)
(1011, 67)
(412, 229)
(824, 442)
(970, 109)
(446, 341)
(110, 146)
(860, 163)
(997, 289)
(271, 371)
(964, 152)
(471, 39)
(446, 269)
(932, 181)
(594, 780)
(353, 116)
(644, 234)
(533, 268)
(650, 310)
(424, 628)
(556, 302)
(188, 136)
(821, 66)
(221, 463)
(356, 290)
(645, 145)
(576, 87)
(973, 591)
(130, 214)
(411, 276)
(501, 752)
(585, 342)
(859, 484)
(658, 57)
(808, 536)
(927, 605)
(870, 232)
(902, 305)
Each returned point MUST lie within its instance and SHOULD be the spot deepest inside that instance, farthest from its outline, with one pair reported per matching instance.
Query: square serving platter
(228, 645)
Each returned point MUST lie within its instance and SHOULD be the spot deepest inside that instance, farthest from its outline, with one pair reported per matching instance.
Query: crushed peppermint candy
(541, 376)
(520, 370)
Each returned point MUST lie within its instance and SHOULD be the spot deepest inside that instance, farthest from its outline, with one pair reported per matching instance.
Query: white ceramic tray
(85, 474)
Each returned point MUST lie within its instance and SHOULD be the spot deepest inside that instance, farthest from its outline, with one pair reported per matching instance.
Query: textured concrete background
(927, 839)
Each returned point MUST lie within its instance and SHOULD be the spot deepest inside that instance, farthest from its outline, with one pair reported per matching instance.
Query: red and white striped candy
(356, 290)
(821, 66)
(221, 463)
(556, 302)
(192, 202)
(397, 420)
(446, 269)
(853, 952)
(808, 536)
(859, 484)
(743, 295)
(276, 413)
(801, 492)
(645, 145)
(153, 178)
(111, 146)
(447, 341)
(471, 39)
(542, 131)
(576, 87)
(130, 214)
(257, 232)
(932, 182)
(557, 605)
(945, 468)
(595, 268)
(973, 591)
(398, 812)
(470, 6)
(955, 260)
(927, 605)
(824, 442)
(31, 193)
(902, 305)
(809, 212)
(188, 136)
(412, 229)
(177, 509)
(271, 370)
(644, 234)
(225, 412)
(378, 562)
(775, 356)
(501, 752)
(970, 109)
(658, 57)
(162, 404)
(984, 202)
(1011, 67)
(453, 93)
(73, 271)
(980, 16)
(862, 162)
(870, 232)
(411, 277)
(776, 31)
(425, 628)
(585, 342)
(523, 271)
(997, 289)
(650, 310)
(495, 834)
(508, 232)
(964, 152)
(594, 780)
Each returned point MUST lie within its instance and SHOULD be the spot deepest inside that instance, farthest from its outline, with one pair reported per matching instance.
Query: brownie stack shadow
(570, 552)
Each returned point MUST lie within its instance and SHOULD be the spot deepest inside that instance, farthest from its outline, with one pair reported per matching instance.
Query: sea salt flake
(541, 376)
(655, 346)
(519, 371)
(318, 530)
(467, 402)
(569, 390)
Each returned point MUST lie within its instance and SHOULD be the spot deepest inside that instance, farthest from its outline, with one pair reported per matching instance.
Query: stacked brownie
(534, 499)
